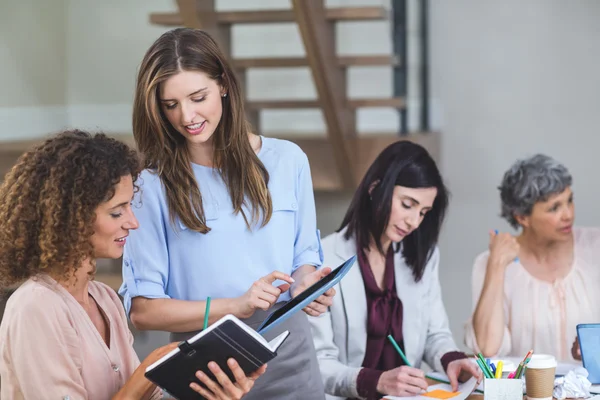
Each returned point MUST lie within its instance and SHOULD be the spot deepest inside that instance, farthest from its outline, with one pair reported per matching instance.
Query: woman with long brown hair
(224, 213)
(64, 335)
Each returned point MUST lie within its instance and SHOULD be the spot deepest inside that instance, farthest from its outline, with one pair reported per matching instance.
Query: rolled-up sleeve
(307, 245)
(146, 258)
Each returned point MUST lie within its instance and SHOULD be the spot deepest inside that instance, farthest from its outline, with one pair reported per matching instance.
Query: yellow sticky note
(440, 394)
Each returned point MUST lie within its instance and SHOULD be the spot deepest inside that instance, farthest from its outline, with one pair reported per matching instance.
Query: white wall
(514, 78)
(32, 67)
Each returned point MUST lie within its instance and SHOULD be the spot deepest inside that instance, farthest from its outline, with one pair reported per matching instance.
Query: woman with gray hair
(531, 290)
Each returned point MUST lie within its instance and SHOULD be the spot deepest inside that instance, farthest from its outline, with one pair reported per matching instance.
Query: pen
(206, 312)
(499, 370)
(399, 350)
(484, 364)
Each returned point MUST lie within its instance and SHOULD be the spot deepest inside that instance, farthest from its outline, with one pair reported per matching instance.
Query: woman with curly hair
(64, 335)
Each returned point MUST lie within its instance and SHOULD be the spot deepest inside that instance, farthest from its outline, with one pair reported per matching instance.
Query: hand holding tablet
(320, 304)
(307, 296)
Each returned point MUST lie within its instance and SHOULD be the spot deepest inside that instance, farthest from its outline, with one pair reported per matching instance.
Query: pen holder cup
(502, 389)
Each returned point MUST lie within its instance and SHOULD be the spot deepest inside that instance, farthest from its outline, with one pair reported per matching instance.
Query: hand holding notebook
(225, 339)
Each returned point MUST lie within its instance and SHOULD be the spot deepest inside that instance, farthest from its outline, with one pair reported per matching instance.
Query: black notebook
(227, 338)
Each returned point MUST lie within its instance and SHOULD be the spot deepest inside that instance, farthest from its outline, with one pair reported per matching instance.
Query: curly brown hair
(48, 203)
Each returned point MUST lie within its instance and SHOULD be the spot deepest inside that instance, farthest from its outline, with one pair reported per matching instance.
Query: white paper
(464, 389)
(573, 385)
(439, 376)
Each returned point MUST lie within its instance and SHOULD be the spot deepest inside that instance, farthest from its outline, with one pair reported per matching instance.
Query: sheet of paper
(442, 378)
(442, 389)
(595, 389)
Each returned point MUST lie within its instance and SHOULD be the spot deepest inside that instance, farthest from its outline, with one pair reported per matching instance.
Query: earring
(224, 94)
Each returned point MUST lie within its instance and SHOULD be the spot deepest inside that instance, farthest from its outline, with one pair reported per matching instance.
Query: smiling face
(114, 219)
(409, 206)
(552, 220)
(192, 103)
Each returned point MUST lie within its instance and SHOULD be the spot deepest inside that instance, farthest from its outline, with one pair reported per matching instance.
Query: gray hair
(529, 181)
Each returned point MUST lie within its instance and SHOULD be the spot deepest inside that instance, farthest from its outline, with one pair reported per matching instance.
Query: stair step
(394, 102)
(266, 16)
(344, 61)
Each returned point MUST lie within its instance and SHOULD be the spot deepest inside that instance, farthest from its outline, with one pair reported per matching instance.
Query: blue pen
(493, 368)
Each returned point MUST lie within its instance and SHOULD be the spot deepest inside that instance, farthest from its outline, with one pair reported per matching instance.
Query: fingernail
(496, 230)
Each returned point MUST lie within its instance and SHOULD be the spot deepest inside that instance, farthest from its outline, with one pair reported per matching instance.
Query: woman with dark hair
(64, 335)
(224, 213)
(393, 225)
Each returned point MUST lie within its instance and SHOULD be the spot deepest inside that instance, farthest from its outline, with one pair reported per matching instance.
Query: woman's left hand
(224, 389)
(319, 306)
(575, 350)
(461, 371)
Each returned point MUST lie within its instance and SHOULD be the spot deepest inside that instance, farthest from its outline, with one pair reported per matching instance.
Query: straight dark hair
(407, 164)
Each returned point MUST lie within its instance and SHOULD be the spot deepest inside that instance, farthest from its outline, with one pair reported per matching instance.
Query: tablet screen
(305, 294)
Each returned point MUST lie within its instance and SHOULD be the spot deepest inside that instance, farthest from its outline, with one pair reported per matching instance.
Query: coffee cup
(539, 377)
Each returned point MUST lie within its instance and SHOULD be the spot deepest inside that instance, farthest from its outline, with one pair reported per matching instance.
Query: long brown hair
(48, 203)
(164, 149)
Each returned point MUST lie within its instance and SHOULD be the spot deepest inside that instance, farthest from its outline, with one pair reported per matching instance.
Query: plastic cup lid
(541, 361)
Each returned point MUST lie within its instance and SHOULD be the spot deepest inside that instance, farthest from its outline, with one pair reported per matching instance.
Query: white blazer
(340, 335)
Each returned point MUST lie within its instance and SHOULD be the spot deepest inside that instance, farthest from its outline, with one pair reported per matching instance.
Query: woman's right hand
(262, 294)
(403, 381)
(224, 389)
(504, 248)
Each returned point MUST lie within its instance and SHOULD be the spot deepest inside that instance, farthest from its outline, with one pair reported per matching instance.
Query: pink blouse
(540, 315)
(49, 347)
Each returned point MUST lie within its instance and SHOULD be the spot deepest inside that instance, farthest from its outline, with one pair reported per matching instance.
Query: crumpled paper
(573, 385)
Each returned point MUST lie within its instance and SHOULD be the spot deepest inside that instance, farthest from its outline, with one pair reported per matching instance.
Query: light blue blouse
(166, 261)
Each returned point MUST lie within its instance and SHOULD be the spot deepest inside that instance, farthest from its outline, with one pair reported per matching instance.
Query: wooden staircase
(316, 26)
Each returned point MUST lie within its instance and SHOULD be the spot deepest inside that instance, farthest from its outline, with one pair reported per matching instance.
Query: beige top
(50, 349)
(540, 315)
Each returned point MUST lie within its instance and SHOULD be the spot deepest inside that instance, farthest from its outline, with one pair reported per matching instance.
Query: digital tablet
(588, 336)
(307, 296)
